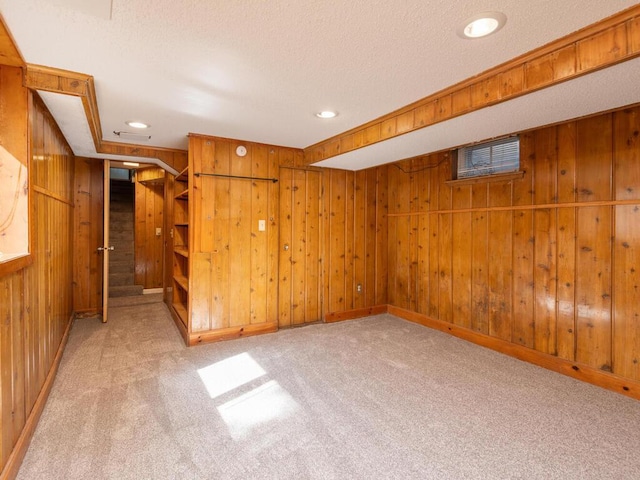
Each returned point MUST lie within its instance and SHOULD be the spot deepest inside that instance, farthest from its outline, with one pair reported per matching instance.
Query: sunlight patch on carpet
(267, 403)
(229, 374)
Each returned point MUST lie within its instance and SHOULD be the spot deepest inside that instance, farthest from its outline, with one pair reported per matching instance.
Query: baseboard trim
(16, 456)
(231, 333)
(149, 291)
(579, 371)
(356, 313)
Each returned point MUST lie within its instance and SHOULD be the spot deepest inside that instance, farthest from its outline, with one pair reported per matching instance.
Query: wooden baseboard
(231, 333)
(579, 371)
(14, 461)
(357, 313)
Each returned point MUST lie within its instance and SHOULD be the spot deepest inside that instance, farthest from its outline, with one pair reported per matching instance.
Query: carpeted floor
(376, 398)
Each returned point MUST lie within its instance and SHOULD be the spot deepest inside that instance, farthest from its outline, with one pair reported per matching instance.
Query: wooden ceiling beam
(613, 40)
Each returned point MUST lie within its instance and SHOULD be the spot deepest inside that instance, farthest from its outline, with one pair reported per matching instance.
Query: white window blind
(497, 156)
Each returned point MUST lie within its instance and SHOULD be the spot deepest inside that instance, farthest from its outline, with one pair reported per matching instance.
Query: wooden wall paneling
(313, 280)
(336, 246)
(461, 251)
(593, 269)
(298, 248)
(414, 205)
(218, 196)
(286, 238)
(626, 326)
(12, 370)
(523, 245)
(401, 193)
(36, 302)
(594, 157)
(258, 239)
(240, 239)
(445, 252)
(545, 249)
(273, 236)
(381, 235)
(480, 259)
(423, 236)
(566, 241)
(369, 235)
(593, 286)
(360, 243)
(626, 275)
(349, 248)
(392, 234)
(434, 242)
(501, 264)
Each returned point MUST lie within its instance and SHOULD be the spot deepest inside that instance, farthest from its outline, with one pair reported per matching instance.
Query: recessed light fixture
(137, 124)
(482, 25)
(326, 114)
(131, 164)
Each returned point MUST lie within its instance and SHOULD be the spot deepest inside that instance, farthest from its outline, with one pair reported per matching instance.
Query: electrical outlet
(158, 231)
(359, 288)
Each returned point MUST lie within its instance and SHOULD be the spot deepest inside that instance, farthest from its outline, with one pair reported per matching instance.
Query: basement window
(489, 158)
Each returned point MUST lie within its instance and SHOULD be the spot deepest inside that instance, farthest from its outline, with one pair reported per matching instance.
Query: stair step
(120, 279)
(120, 267)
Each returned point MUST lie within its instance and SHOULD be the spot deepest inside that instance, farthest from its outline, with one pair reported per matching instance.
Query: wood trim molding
(575, 370)
(231, 333)
(353, 314)
(81, 85)
(543, 206)
(603, 44)
(14, 461)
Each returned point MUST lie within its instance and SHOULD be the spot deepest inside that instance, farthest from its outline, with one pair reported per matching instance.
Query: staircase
(121, 260)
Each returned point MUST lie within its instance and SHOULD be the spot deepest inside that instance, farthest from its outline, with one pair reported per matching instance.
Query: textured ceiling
(258, 70)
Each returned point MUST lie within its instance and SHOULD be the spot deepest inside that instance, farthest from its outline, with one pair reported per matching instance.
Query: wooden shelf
(181, 224)
(182, 251)
(182, 282)
(181, 311)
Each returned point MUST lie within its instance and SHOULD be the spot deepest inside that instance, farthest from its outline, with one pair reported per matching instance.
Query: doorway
(136, 213)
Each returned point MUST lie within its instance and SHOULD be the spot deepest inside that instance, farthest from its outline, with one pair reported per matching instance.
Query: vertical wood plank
(480, 261)
(593, 287)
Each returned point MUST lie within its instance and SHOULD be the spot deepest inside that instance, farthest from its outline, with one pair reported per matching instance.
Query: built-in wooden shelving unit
(180, 302)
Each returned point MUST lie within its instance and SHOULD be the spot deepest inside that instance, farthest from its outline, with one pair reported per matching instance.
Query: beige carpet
(375, 398)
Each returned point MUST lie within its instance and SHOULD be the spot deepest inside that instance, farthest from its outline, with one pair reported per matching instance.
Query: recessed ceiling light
(131, 164)
(326, 114)
(482, 25)
(137, 124)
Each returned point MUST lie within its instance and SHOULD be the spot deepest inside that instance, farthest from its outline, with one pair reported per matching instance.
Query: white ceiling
(258, 70)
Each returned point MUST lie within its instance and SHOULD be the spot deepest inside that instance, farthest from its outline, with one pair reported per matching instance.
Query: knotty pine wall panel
(36, 301)
(355, 239)
(547, 261)
(234, 269)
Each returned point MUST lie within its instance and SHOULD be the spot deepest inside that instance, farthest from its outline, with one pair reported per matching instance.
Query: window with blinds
(497, 156)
